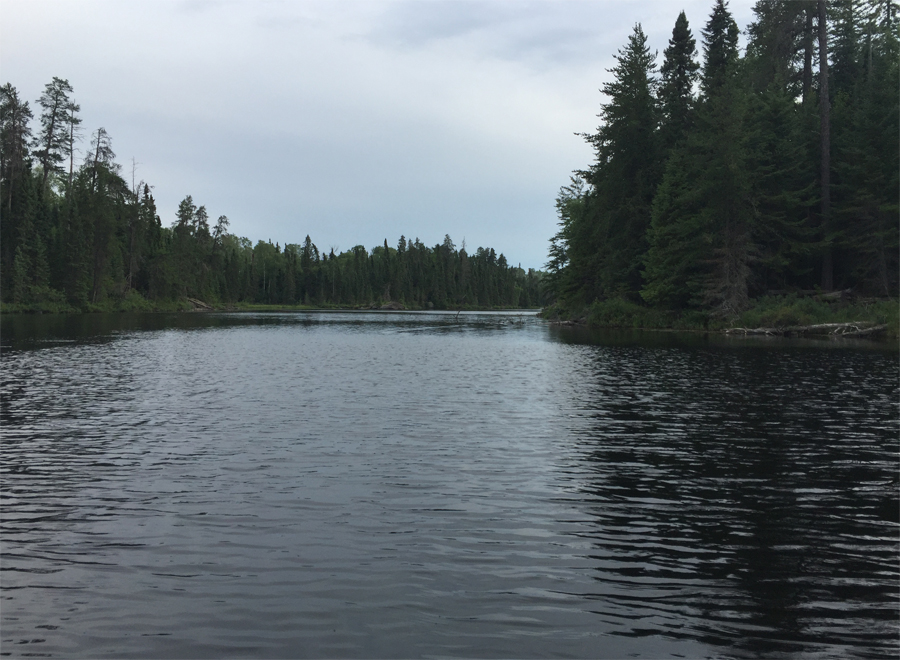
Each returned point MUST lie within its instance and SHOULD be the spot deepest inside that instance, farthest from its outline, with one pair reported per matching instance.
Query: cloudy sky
(348, 121)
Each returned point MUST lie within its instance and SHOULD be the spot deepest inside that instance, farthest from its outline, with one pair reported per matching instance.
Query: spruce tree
(679, 73)
(783, 188)
(782, 176)
(700, 242)
(866, 164)
(626, 172)
(720, 48)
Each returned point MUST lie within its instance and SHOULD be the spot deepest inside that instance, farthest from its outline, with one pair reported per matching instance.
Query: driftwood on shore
(390, 305)
(569, 322)
(199, 305)
(850, 329)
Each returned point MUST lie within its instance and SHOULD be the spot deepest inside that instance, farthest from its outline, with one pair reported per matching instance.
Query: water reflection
(361, 485)
(736, 499)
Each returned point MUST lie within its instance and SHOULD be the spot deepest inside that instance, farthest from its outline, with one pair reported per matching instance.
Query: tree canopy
(765, 176)
(83, 238)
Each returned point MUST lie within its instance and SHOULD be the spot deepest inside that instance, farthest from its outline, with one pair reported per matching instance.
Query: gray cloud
(352, 122)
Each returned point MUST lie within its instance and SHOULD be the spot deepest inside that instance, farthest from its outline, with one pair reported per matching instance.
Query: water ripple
(412, 485)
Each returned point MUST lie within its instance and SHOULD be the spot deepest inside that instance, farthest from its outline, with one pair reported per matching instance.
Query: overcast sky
(348, 121)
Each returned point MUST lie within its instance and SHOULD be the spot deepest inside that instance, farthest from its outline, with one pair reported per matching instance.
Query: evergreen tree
(866, 162)
(781, 174)
(623, 178)
(720, 49)
(700, 245)
(14, 137)
(827, 227)
(51, 143)
(73, 123)
(15, 177)
(780, 45)
(679, 73)
(101, 155)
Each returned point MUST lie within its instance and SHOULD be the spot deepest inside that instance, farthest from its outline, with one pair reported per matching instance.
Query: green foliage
(89, 242)
(729, 189)
(720, 49)
(51, 142)
(622, 313)
(597, 253)
(791, 310)
(679, 73)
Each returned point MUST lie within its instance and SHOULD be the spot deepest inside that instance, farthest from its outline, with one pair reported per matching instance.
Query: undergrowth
(767, 311)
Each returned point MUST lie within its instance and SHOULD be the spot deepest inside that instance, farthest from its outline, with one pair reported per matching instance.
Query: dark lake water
(422, 484)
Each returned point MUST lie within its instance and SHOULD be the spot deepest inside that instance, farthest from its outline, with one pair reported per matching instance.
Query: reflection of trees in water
(731, 493)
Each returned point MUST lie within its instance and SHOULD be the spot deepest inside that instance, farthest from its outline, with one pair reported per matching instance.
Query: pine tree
(680, 237)
(73, 123)
(783, 184)
(679, 73)
(827, 227)
(624, 176)
(14, 136)
(15, 177)
(50, 143)
(866, 163)
(720, 49)
(700, 239)
(782, 177)
(780, 46)
(100, 155)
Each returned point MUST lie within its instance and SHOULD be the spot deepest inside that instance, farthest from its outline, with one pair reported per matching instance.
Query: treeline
(82, 237)
(774, 170)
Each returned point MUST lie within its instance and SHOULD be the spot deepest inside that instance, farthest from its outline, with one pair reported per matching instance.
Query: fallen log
(813, 293)
(199, 304)
(850, 329)
(835, 295)
(874, 330)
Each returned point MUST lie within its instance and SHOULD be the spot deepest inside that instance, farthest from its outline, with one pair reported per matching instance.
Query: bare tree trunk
(46, 159)
(807, 55)
(71, 154)
(131, 255)
(825, 131)
(96, 158)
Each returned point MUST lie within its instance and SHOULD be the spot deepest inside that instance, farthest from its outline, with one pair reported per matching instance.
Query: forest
(720, 182)
(79, 237)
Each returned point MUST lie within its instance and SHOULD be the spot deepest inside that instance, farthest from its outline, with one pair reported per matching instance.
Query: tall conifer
(679, 73)
(626, 172)
(50, 143)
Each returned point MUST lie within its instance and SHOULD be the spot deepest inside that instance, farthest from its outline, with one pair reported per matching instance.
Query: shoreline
(187, 307)
(769, 316)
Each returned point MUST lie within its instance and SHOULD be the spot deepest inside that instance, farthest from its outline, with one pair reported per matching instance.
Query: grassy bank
(768, 311)
(57, 304)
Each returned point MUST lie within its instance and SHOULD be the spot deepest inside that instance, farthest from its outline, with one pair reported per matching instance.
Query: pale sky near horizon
(348, 121)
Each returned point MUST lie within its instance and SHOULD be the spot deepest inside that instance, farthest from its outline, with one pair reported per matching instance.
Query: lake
(431, 484)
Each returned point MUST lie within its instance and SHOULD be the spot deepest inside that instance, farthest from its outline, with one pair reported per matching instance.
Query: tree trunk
(96, 158)
(825, 131)
(807, 55)
(71, 153)
(46, 159)
(131, 255)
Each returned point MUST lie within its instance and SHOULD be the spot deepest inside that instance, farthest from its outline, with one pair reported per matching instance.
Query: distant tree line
(717, 182)
(81, 236)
